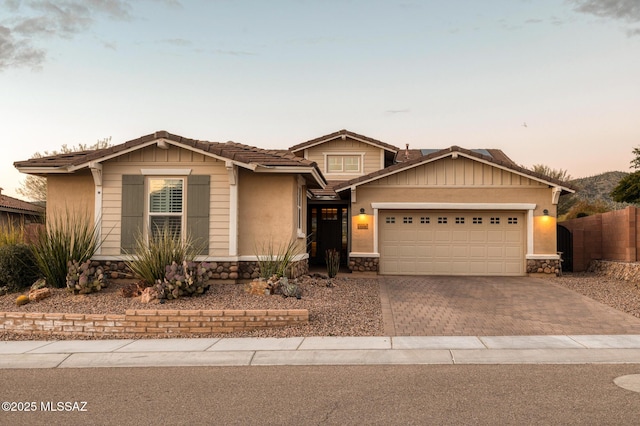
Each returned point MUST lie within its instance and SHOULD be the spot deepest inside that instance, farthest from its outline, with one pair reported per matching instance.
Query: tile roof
(343, 132)
(328, 191)
(18, 206)
(497, 157)
(229, 150)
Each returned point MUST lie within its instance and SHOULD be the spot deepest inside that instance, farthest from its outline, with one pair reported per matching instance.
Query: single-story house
(387, 210)
(15, 212)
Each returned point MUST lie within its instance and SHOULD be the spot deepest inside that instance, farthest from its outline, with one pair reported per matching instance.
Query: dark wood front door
(329, 227)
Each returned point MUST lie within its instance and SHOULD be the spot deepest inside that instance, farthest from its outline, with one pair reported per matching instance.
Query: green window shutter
(132, 211)
(198, 211)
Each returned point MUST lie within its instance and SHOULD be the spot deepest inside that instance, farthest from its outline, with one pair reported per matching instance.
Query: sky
(553, 82)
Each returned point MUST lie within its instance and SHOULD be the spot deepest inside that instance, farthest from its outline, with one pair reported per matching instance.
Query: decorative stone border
(544, 266)
(241, 270)
(364, 264)
(628, 271)
(150, 322)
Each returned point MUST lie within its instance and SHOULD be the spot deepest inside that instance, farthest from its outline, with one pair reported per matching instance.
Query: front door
(329, 227)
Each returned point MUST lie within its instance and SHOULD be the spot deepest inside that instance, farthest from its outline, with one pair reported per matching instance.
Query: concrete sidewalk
(560, 349)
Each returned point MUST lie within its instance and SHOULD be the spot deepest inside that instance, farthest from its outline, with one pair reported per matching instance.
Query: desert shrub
(275, 259)
(18, 268)
(151, 256)
(11, 234)
(66, 238)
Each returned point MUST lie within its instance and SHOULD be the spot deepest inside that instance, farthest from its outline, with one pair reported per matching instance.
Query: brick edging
(151, 322)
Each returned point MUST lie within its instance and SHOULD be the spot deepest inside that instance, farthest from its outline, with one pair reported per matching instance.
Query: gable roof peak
(344, 133)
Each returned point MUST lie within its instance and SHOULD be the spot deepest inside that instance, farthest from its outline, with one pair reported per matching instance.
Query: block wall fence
(610, 236)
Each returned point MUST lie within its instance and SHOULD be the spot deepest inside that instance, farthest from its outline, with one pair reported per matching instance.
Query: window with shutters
(166, 206)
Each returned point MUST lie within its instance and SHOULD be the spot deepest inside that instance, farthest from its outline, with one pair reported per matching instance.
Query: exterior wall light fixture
(545, 212)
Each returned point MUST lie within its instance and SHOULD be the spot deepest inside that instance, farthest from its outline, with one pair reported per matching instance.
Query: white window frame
(149, 214)
(342, 156)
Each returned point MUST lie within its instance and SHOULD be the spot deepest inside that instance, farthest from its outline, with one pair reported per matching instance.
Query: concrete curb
(375, 350)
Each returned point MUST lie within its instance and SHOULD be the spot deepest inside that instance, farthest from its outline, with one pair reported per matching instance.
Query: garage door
(451, 242)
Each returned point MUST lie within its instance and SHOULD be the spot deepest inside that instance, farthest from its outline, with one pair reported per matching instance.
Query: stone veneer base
(150, 323)
(364, 264)
(544, 266)
(236, 270)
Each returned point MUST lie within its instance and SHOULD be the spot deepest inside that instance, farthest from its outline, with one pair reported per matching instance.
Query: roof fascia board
(537, 179)
(294, 169)
(457, 154)
(402, 169)
(342, 137)
(43, 170)
(167, 142)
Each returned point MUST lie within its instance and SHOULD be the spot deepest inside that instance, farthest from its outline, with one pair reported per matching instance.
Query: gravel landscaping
(619, 294)
(344, 306)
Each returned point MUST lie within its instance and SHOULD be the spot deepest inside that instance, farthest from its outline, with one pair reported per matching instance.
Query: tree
(628, 189)
(34, 188)
(583, 208)
(559, 174)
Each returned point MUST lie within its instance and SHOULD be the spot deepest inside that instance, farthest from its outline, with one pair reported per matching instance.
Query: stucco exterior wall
(74, 194)
(373, 156)
(150, 158)
(267, 211)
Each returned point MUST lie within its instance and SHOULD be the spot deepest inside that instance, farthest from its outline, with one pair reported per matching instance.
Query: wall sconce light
(545, 212)
(361, 210)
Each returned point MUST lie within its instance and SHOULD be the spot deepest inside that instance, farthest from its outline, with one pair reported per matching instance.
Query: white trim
(375, 230)
(542, 256)
(529, 233)
(294, 169)
(165, 172)
(232, 170)
(454, 206)
(363, 254)
(344, 137)
(343, 154)
(470, 157)
(353, 194)
(254, 258)
(529, 207)
(381, 160)
(96, 172)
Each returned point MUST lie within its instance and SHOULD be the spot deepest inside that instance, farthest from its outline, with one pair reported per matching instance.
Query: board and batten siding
(458, 172)
(373, 156)
(173, 158)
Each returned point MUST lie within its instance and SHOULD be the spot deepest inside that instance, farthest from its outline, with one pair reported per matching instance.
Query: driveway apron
(493, 306)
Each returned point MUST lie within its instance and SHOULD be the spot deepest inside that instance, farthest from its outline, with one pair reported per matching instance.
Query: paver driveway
(493, 306)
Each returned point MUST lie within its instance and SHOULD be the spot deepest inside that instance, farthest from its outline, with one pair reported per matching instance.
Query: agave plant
(67, 237)
(164, 247)
(275, 260)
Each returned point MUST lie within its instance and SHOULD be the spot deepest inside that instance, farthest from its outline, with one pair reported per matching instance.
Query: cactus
(82, 278)
(186, 279)
(333, 262)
